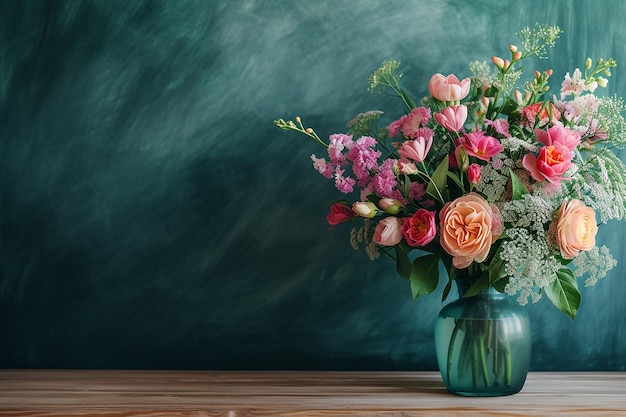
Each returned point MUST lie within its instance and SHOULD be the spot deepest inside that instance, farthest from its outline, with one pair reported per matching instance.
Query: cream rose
(468, 228)
(576, 228)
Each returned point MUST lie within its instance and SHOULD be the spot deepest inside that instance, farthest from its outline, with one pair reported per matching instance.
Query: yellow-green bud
(365, 209)
(390, 205)
(588, 63)
(602, 82)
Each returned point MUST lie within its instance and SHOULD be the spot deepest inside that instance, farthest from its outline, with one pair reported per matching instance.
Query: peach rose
(576, 228)
(469, 226)
(388, 231)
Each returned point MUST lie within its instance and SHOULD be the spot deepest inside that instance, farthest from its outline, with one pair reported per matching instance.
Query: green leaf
(495, 270)
(480, 284)
(563, 292)
(518, 188)
(424, 275)
(403, 264)
(500, 284)
(438, 181)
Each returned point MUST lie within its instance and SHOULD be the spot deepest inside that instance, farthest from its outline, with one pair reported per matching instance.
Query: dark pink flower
(419, 229)
(339, 213)
(550, 165)
(480, 145)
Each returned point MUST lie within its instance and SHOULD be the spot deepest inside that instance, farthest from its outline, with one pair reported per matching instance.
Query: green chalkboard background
(151, 216)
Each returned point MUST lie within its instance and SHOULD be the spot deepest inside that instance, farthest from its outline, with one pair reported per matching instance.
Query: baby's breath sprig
(387, 75)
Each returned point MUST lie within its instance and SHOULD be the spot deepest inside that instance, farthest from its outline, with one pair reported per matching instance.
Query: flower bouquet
(490, 176)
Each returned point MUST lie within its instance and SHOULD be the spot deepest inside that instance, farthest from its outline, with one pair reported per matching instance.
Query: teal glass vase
(483, 344)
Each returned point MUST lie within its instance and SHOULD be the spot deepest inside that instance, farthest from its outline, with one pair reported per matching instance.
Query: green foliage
(437, 186)
(564, 293)
(388, 76)
(518, 187)
(424, 275)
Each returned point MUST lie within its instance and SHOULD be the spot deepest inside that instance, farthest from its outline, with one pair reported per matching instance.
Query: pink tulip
(448, 88)
(551, 164)
(558, 134)
(452, 117)
(416, 150)
(388, 231)
(480, 145)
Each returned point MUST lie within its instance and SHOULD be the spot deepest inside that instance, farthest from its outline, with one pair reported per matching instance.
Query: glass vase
(483, 344)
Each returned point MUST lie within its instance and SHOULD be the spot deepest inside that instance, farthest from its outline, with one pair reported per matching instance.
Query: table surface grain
(261, 393)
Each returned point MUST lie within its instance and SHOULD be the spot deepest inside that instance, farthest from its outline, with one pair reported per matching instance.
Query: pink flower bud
(499, 62)
(473, 173)
(390, 205)
(339, 213)
(365, 209)
(462, 161)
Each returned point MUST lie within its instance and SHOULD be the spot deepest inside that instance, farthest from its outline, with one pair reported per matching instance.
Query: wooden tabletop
(236, 394)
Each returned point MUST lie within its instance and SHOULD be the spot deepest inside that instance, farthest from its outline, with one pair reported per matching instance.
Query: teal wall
(151, 216)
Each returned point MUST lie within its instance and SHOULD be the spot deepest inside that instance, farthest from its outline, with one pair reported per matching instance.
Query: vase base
(483, 394)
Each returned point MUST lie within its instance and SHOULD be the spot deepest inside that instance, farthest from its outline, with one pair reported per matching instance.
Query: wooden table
(236, 394)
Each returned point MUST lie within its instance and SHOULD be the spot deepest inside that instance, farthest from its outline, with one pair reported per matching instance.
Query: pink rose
(339, 213)
(452, 117)
(448, 88)
(558, 134)
(420, 229)
(468, 227)
(473, 173)
(417, 149)
(576, 228)
(551, 164)
(480, 145)
(388, 231)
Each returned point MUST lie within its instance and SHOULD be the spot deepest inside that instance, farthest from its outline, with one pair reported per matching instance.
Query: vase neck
(464, 284)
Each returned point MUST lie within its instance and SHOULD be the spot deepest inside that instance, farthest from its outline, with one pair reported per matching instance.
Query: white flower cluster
(604, 186)
(493, 182)
(596, 263)
(532, 212)
(529, 262)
